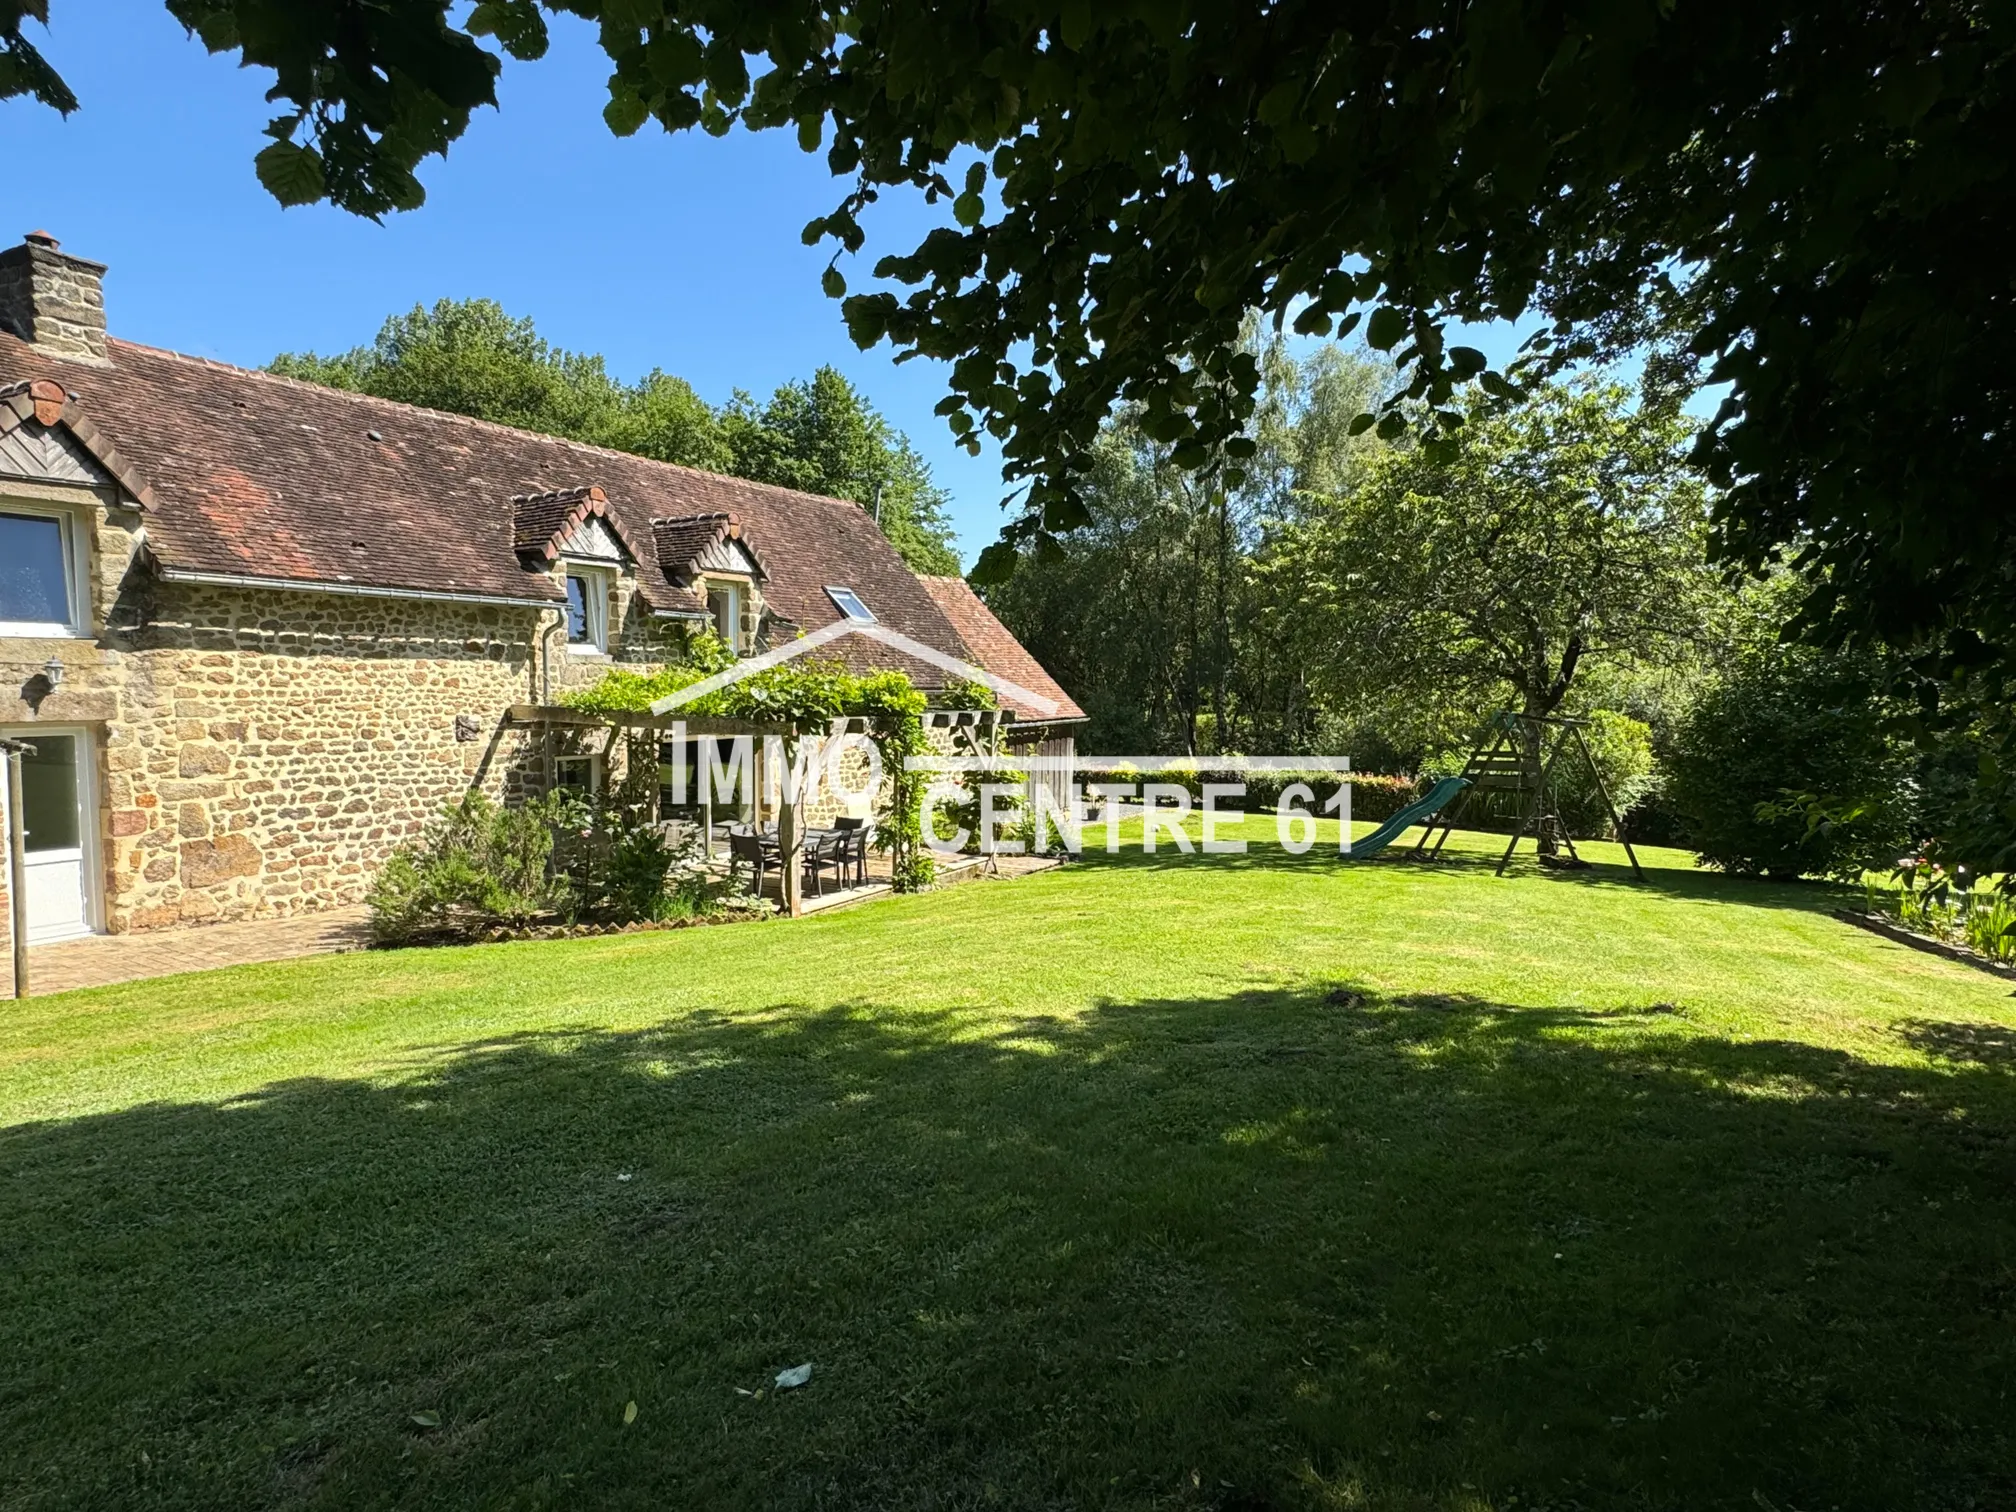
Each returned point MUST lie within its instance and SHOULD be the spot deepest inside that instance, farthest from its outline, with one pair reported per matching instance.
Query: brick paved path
(101, 959)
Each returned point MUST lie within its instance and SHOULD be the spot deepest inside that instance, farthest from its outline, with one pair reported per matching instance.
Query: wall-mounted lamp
(52, 670)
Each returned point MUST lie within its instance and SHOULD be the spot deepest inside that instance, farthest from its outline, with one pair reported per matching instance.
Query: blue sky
(657, 251)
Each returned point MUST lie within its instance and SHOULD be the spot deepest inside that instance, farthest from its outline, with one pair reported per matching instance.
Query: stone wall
(272, 749)
(261, 752)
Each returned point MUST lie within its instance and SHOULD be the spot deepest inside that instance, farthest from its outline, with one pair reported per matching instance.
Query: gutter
(350, 590)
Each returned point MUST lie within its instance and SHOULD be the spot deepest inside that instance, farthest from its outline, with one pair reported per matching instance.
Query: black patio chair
(852, 833)
(749, 848)
(821, 848)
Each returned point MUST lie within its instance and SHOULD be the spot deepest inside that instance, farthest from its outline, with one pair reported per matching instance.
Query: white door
(55, 799)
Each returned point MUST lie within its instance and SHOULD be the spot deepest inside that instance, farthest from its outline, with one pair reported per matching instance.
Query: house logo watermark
(1035, 804)
(815, 640)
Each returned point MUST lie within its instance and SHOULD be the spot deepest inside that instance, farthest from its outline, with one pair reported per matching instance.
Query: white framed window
(587, 609)
(43, 590)
(848, 602)
(724, 604)
(580, 774)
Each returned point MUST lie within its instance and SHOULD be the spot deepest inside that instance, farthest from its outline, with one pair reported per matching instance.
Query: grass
(1262, 1182)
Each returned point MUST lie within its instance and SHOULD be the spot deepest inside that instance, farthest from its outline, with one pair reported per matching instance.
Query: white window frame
(593, 759)
(833, 592)
(734, 588)
(598, 576)
(76, 567)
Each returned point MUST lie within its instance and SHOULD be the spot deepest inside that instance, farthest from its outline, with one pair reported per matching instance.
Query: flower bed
(1891, 930)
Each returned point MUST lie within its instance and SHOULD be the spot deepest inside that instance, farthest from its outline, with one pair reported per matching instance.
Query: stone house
(260, 632)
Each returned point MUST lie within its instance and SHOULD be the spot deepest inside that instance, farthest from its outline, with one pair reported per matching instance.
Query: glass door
(55, 787)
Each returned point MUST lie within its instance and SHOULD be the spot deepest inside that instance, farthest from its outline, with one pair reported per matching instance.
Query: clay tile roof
(991, 646)
(40, 401)
(538, 521)
(681, 542)
(260, 476)
(541, 522)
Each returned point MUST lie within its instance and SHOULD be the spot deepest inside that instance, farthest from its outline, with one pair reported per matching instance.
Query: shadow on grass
(1992, 1046)
(1260, 1251)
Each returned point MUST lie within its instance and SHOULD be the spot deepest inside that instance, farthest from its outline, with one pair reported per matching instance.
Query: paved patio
(966, 869)
(104, 959)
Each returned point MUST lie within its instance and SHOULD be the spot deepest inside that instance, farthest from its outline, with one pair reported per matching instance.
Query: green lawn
(1254, 1183)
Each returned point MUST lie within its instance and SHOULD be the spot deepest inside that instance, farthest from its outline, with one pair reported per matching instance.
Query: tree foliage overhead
(1812, 197)
(471, 358)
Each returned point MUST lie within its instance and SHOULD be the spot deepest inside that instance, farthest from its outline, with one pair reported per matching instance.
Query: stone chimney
(53, 299)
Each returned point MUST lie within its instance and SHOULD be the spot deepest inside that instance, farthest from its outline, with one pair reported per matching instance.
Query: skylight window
(848, 602)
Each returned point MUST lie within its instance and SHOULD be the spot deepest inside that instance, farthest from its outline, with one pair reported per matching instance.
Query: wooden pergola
(972, 727)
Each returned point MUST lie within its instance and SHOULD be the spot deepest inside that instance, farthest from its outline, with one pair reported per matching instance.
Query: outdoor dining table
(819, 845)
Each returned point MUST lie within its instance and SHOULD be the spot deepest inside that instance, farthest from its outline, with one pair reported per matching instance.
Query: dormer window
(587, 609)
(848, 602)
(41, 572)
(724, 606)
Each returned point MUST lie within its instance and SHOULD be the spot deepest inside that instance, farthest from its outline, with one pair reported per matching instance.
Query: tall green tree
(472, 358)
(1164, 615)
(1128, 612)
(823, 437)
(1554, 537)
(1376, 597)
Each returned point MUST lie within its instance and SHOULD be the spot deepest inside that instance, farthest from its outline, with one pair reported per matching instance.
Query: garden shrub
(636, 879)
(1785, 769)
(1621, 748)
(621, 868)
(478, 868)
(481, 870)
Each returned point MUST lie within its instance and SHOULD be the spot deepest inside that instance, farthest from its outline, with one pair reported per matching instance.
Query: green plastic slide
(1420, 811)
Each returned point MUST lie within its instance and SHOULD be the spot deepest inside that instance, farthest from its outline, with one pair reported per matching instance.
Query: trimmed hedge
(1374, 795)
